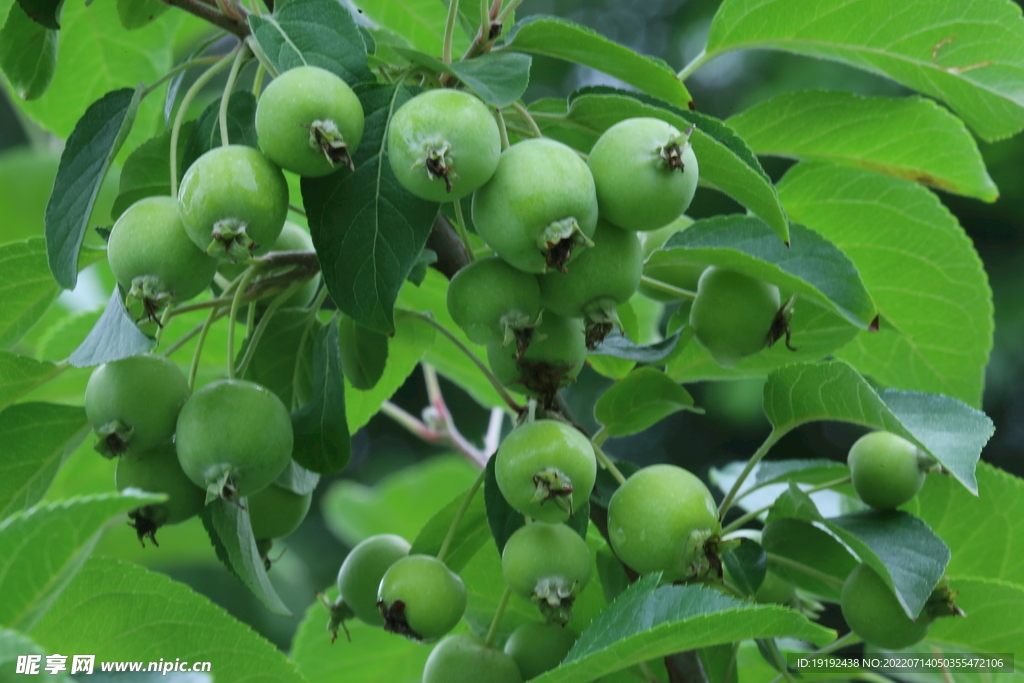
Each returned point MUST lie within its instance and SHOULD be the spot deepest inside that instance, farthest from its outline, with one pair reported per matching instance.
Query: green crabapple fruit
(661, 519)
(464, 659)
(676, 272)
(133, 404)
(159, 472)
(539, 207)
(872, 611)
(548, 564)
(361, 572)
(233, 202)
(554, 355)
(733, 314)
(420, 598)
(153, 259)
(308, 121)
(546, 469)
(600, 279)
(292, 238)
(276, 512)
(645, 173)
(443, 144)
(537, 647)
(234, 438)
(886, 469)
(493, 302)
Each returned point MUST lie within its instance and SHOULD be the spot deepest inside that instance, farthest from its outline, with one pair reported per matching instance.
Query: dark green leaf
(322, 441)
(229, 521)
(26, 288)
(297, 479)
(206, 134)
(43, 12)
(580, 519)
(644, 398)
(28, 54)
(617, 345)
(810, 266)
(137, 13)
(498, 78)
(794, 545)
(555, 37)
(367, 229)
(283, 360)
(418, 273)
(37, 438)
(469, 537)
(502, 518)
(114, 337)
(20, 374)
(802, 471)
(312, 33)
(146, 171)
(747, 565)
(364, 353)
(97, 137)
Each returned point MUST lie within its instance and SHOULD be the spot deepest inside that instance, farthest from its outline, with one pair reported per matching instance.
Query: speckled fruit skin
(290, 105)
(684, 276)
(145, 393)
(489, 291)
(233, 182)
(732, 314)
(600, 278)
(872, 611)
(537, 647)
(464, 659)
(885, 470)
(276, 512)
(636, 190)
(557, 342)
(361, 572)
(540, 551)
(237, 427)
(149, 239)
(535, 447)
(537, 182)
(434, 597)
(659, 520)
(160, 472)
(452, 121)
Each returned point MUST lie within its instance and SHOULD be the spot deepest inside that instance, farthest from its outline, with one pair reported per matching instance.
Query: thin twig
(210, 14)
(529, 119)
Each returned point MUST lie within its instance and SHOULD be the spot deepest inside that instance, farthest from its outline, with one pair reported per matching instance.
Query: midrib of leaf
(273, 20)
(380, 169)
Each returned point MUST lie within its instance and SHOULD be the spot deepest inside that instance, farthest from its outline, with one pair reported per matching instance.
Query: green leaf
(19, 375)
(114, 337)
(965, 54)
(810, 267)
(297, 479)
(44, 547)
(794, 545)
(985, 533)
(617, 345)
(499, 78)
(229, 521)
(206, 134)
(919, 267)
(38, 438)
(28, 54)
(895, 136)
(400, 503)
(26, 288)
(471, 534)
(800, 471)
(647, 622)
(43, 12)
(950, 431)
(322, 440)
(367, 229)
(992, 623)
(374, 654)
(97, 137)
(364, 353)
(283, 360)
(485, 585)
(555, 37)
(312, 33)
(137, 13)
(747, 565)
(143, 612)
(502, 518)
(13, 645)
(420, 22)
(725, 160)
(146, 171)
(645, 397)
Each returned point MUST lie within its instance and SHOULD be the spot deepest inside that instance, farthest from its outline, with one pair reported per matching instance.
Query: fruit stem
(507, 12)
(677, 292)
(296, 210)
(257, 80)
(261, 327)
(164, 318)
(261, 56)
(449, 31)
(233, 322)
(839, 643)
(777, 658)
(607, 463)
(804, 569)
(186, 101)
(185, 338)
(460, 514)
(502, 128)
(498, 614)
(754, 514)
(222, 116)
(524, 112)
(600, 436)
(460, 222)
(751, 464)
(697, 62)
(214, 314)
(199, 61)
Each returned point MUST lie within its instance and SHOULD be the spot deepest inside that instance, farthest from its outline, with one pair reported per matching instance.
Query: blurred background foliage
(395, 482)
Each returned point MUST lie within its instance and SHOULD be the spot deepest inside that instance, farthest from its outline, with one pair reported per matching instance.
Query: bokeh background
(393, 477)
